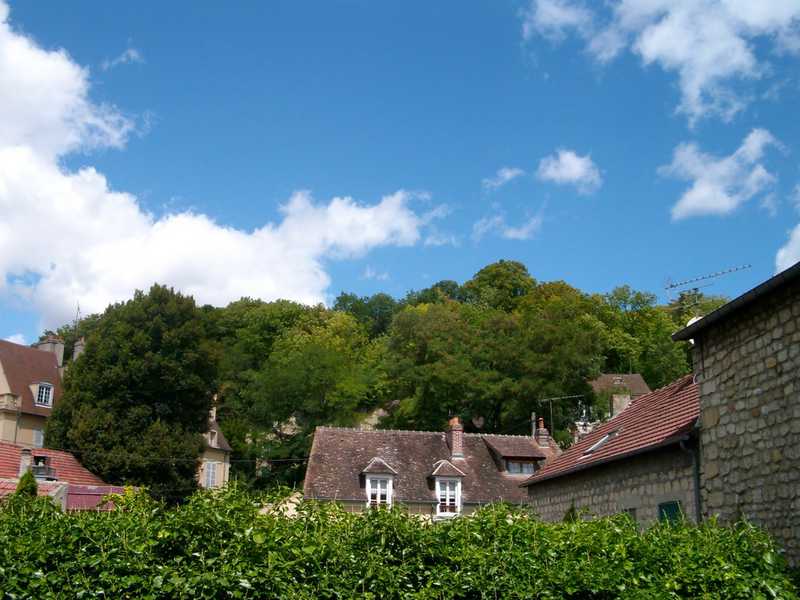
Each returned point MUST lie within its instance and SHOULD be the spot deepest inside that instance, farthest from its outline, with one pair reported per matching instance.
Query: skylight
(601, 442)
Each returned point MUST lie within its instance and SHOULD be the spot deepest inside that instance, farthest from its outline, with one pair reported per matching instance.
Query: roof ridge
(360, 430)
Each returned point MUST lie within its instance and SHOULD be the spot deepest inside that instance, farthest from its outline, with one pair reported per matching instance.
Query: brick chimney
(25, 461)
(78, 348)
(541, 435)
(455, 438)
(619, 402)
(53, 343)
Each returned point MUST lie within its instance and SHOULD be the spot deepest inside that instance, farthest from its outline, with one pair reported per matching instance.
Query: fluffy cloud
(790, 253)
(720, 185)
(67, 237)
(497, 224)
(502, 177)
(17, 338)
(129, 56)
(709, 44)
(568, 168)
(370, 273)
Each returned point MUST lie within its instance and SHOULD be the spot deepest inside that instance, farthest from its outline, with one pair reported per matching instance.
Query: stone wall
(749, 369)
(639, 484)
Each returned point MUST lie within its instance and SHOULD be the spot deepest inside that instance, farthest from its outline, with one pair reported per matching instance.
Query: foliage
(136, 403)
(374, 312)
(26, 486)
(218, 545)
(500, 285)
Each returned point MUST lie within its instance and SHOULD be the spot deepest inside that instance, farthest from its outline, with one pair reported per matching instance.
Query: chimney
(25, 461)
(455, 438)
(53, 343)
(619, 402)
(77, 348)
(541, 435)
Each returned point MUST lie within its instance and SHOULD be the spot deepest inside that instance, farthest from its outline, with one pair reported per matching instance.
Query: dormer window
(212, 438)
(519, 467)
(44, 395)
(379, 490)
(448, 495)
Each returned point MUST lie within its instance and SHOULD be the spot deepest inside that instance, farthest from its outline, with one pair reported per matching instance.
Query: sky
(294, 150)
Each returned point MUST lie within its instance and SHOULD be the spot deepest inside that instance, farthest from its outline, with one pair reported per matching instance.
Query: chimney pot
(455, 438)
(25, 461)
(542, 436)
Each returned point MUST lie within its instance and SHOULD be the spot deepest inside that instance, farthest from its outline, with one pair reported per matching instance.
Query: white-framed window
(519, 467)
(211, 473)
(38, 438)
(448, 496)
(379, 490)
(44, 395)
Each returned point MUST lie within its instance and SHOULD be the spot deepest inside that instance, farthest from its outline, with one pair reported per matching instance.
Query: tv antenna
(670, 285)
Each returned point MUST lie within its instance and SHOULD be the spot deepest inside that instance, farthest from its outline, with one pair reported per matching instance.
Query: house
(746, 357)
(30, 386)
(439, 474)
(642, 461)
(58, 474)
(215, 461)
(622, 387)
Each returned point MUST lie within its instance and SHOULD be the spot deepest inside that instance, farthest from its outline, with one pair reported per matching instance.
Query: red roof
(651, 421)
(24, 366)
(67, 468)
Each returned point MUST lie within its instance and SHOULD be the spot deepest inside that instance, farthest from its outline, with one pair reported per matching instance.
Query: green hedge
(218, 546)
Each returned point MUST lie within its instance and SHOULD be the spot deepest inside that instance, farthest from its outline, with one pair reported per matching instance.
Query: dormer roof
(378, 466)
(444, 468)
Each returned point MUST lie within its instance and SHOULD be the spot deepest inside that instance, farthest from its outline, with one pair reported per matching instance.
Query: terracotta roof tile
(67, 468)
(650, 421)
(24, 366)
(338, 456)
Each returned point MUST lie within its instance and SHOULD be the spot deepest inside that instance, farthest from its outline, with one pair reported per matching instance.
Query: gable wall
(749, 369)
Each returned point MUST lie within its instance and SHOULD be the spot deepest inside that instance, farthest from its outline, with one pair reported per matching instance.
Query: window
(670, 512)
(602, 442)
(211, 474)
(631, 512)
(519, 467)
(38, 438)
(448, 494)
(44, 395)
(379, 491)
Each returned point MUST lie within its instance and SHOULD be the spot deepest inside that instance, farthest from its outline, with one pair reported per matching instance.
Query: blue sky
(287, 150)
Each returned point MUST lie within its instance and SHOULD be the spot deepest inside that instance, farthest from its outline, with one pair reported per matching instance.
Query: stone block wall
(640, 483)
(748, 366)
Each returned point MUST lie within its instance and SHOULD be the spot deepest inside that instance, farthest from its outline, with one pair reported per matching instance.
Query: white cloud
(496, 223)
(17, 338)
(568, 168)
(789, 254)
(502, 177)
(711, 45)
(720, 185)
(370, 273)
(67, 237)
(129, 56)
(440, 238)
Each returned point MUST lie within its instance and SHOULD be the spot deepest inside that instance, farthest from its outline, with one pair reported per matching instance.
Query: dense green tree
(437, 293)
(693, 303)
(374, 312)
(500, 285)
(136, 403)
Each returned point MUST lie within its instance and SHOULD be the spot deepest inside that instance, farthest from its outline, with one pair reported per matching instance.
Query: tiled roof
(89, 497)
(222, 442)
(24, 366)
(378, 466)
(67, 468)
(444, 468)
(649, 422)
(338, 456)
(632, 382)
(515, 446)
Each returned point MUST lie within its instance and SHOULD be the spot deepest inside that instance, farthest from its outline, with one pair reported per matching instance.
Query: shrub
(26, 487)
(218, 545)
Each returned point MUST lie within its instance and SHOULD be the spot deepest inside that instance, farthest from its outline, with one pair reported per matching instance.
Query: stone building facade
(746, 357)
(638, 486)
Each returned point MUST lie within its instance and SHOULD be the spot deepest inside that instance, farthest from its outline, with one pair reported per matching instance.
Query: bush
(217, 545)
(26, 487)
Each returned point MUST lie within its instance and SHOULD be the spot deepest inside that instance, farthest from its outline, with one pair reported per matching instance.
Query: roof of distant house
(222, 442)
(632, 382)
(66, 466)
(660, 418)
(340, 457)
(23, 366)
(770, 285)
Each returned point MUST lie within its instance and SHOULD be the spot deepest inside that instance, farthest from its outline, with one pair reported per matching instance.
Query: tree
(26, 486)
(500, 285)
(136, 403)
(374, 312)
(439, 292)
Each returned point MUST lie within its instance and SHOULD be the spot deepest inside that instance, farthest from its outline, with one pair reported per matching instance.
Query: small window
(38, 438)
(379, 491)
(602, 442)
(212, 438)
(211, 474)
(448, 494)
(44, 395)
(670, 512)
(519, 467)
(631, 512)
(618, 380)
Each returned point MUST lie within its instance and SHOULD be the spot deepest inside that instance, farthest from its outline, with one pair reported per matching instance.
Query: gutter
(677, 439)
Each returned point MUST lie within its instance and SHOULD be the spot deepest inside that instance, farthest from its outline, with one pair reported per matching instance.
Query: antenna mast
(670, 286)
